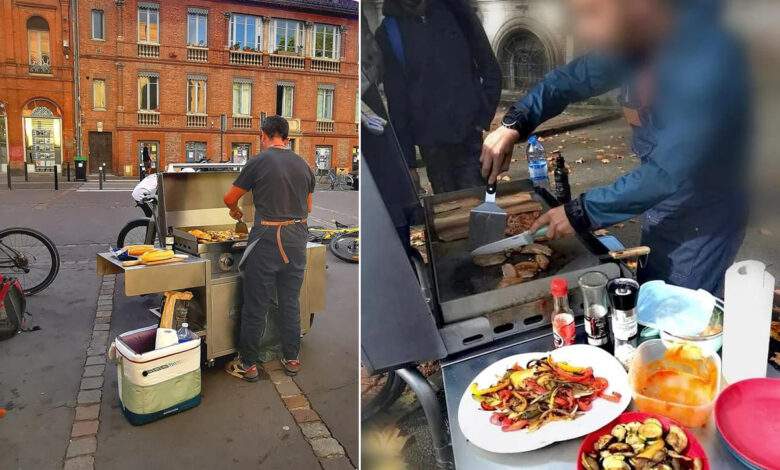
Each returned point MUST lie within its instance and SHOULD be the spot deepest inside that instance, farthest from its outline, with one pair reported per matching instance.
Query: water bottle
(184, 334)
(537, 163)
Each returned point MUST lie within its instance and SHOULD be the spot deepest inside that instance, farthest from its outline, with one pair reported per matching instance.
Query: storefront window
(42, 135)
(241, 152)
(151, 149)
(195, 152)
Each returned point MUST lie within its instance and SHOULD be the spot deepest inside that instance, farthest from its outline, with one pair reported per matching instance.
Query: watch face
(508, 122)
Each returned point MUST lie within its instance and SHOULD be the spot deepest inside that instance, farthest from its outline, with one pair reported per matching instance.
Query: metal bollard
(8, 174)
(26, 176)
(104, 172)
(68, 170)
(56, 179)
(100, 177)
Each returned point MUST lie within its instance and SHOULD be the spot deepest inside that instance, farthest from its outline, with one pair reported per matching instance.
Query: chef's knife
(511, 243)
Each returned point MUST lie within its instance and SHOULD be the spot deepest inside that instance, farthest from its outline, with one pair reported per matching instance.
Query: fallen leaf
(621, 225)
(506, 178)
(514, 160)
(579, 160)
(605, 160)
(766, 232)
(600, 232)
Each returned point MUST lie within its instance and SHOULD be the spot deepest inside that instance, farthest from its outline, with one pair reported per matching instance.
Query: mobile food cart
(208, 269)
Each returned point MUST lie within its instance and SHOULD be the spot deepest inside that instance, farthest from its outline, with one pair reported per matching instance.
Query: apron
(270, 223)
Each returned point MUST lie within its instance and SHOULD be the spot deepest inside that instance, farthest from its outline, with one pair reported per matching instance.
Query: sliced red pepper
(584, 405)
(599, 384)
(510, 425)
(487, 407)
(497, 418)
(613, 397)
(570, 377)
(504, 394)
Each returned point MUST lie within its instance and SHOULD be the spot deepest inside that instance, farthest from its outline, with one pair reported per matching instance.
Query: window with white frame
(327, 41)
(148, 23)
(197, 27)
(242, 97)
(38, 44)
(284, 99)
(148, 91)
(246, 32)
(99, 94)
(325, 102)
(196, 94)
(287, 36)
(98, 25)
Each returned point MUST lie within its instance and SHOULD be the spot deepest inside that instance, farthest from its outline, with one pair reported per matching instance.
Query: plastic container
(184, 334)
(709, 343)
(537, 163)
(676, 380)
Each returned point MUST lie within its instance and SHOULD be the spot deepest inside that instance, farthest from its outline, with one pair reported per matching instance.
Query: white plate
(475, 422)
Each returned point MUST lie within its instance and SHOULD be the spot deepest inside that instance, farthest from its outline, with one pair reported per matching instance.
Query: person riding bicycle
(146, 187)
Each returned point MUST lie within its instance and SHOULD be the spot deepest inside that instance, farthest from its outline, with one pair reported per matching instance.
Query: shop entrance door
(100, 151)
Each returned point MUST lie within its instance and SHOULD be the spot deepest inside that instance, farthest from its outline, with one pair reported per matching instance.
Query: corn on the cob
(137, 250)
(156, 255)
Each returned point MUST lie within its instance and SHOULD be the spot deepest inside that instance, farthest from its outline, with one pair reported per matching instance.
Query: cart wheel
(210, 363)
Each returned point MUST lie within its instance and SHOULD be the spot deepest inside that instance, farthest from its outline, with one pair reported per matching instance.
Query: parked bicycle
(30, 256)
(343, 241)
(337, 180)
(140, 231)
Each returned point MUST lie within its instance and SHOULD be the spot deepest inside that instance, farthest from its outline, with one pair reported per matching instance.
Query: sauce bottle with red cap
(564, 329)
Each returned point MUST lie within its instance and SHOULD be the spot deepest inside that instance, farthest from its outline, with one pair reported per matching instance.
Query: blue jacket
(693, 140)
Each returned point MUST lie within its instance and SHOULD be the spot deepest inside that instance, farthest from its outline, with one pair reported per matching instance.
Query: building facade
(36, 84)
(184, 81)
(529, 38)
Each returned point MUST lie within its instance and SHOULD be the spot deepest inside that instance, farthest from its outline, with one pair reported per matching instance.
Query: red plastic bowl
(746, 415)
(693, 451)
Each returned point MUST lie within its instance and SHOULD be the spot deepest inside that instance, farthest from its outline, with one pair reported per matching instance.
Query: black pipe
(8, 174)
(436, 423)
(56, 179)
(68, 169)
(100, 177)
(26, 176)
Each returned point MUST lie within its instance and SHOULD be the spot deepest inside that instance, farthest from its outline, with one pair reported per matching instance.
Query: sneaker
(236, 368)
(292, 366)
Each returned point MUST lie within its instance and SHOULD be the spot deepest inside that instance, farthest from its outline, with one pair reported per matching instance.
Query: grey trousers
(451, 167)
(266, 277)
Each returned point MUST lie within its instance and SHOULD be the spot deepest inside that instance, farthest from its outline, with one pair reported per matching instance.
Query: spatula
(487, 221)
(241, 227)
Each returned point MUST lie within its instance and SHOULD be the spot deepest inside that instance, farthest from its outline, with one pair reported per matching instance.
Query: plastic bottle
(561, 186)
(564, 330)
(537, 163)
(184, 334)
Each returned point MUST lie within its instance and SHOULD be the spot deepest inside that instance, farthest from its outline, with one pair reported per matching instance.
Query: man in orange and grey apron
(275, 259)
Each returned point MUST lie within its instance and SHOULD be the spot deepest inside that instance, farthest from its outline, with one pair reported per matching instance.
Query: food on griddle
(529, 266)
(537, 249)
(542, 392)
(489, 260)
(451, 218)
(200, 235)
(641, 446)
(775, 330)
(519, 223)
(522, 271)
(216, 235)
(543, 261)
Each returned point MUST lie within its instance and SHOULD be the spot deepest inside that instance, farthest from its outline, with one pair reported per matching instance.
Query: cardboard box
(313, 291)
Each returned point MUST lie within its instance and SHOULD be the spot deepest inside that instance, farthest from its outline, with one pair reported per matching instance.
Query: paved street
(238, 424)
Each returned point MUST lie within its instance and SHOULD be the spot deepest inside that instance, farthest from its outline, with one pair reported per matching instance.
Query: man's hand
(236, 213)
(496, 152)
(556, 221)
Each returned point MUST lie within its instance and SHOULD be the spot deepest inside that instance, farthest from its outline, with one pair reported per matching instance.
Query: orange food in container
(676, 380)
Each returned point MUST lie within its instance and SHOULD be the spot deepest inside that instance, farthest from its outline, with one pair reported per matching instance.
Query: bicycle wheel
(347, 183)
(346, 247)
(137, 232)
(29, 256)
(379, 392)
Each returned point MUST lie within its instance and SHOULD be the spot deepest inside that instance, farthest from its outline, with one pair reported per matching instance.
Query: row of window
(245, 32)
(149, 96)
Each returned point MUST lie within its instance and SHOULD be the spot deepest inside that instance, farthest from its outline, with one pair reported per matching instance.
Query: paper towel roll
(165, 337)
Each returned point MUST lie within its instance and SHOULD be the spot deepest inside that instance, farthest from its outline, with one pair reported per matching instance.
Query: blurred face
(619, 26)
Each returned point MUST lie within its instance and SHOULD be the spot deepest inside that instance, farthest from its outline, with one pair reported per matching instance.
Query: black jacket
(448, 83)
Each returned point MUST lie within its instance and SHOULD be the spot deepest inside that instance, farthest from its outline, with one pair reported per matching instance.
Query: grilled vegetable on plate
(543, 398)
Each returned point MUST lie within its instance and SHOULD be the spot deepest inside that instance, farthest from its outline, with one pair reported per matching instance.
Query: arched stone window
(38, 45)
(524, 60)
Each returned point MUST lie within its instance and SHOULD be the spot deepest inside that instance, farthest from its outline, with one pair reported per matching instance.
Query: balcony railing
(149, 51)
(326, 127)
(280, 61)
(148, 118)
(197, 54)
(40, 65)
(326, 65)
(196, 120)
(242, 122)
(251, 58)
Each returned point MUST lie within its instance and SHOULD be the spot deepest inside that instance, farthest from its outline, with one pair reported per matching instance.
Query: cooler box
(153, 383)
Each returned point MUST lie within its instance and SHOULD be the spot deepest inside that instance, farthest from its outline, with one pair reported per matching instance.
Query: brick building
(36, 84)
(158, 77)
